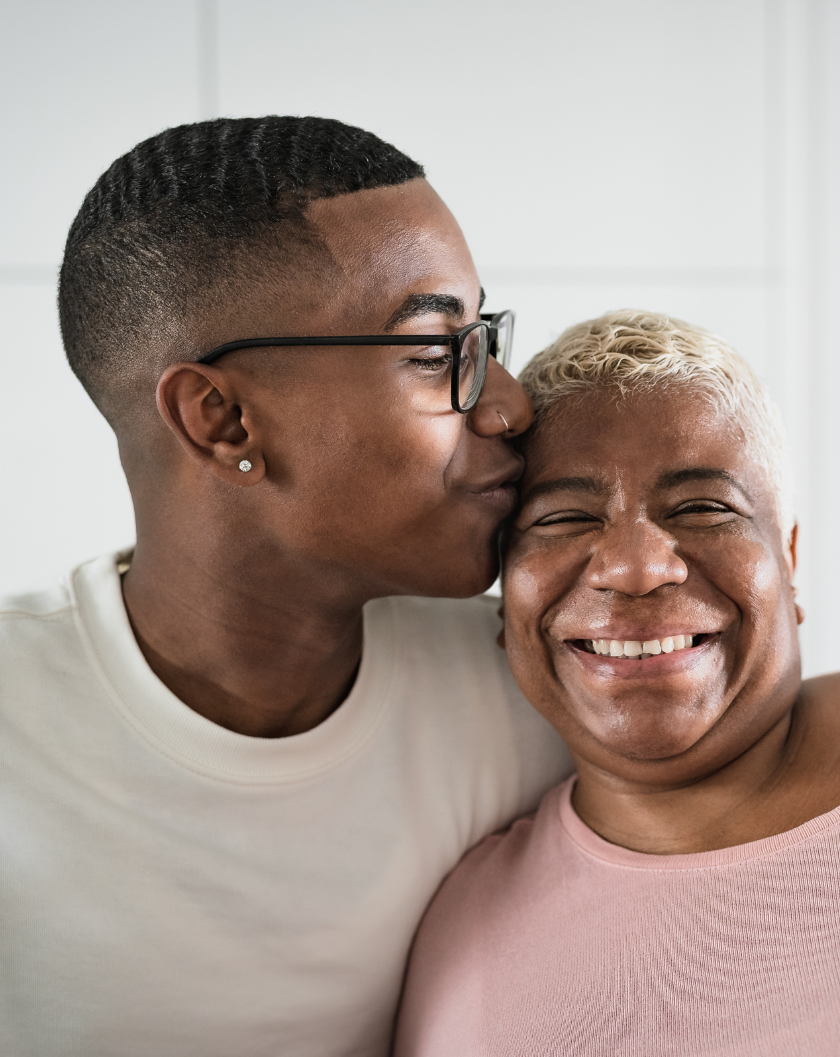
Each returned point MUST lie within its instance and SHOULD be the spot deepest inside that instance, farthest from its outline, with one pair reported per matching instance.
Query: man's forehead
(381, 215)
(401, 255)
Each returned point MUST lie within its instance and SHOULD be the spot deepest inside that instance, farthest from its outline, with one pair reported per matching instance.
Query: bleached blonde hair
(632, 351)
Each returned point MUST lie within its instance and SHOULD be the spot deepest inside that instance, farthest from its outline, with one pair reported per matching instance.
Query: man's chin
(458, 583)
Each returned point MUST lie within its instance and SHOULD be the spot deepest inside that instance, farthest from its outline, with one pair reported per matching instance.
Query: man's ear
(198, 404)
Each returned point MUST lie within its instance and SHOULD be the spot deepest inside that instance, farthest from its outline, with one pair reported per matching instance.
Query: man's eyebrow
(425, 304)
(673, 478)
(482, 297)
(584, 485)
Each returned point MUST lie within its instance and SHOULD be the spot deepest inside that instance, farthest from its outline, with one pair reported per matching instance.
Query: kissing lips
(500, 491)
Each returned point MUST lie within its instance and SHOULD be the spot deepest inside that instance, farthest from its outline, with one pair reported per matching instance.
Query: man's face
(641, 523)
(369, 472)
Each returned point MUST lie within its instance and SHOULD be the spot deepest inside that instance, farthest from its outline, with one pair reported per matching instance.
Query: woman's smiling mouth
(635, 649)
(665, 653)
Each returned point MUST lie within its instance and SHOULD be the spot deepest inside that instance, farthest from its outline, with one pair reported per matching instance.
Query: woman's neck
(788, 776)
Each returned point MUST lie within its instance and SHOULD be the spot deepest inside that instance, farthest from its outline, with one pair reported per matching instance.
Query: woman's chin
(643, 738)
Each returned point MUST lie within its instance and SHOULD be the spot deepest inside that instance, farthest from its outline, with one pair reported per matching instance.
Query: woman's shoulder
(823, 688)
(817, 762)
(819, 704)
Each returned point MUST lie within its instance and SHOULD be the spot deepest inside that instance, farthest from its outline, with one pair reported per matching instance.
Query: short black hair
(183, 213)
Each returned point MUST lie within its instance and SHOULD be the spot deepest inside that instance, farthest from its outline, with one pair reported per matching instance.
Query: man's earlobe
(198, 405)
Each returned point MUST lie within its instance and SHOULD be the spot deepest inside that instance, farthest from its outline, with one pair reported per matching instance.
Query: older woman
(681, 894)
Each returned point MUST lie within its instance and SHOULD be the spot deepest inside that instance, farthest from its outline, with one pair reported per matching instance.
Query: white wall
(679, 155)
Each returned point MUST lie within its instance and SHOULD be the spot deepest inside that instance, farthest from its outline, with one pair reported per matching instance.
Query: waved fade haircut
(186, 217)
(632, 351)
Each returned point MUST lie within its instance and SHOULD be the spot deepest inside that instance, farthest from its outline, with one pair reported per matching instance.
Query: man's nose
(503, 407)
(634, 558)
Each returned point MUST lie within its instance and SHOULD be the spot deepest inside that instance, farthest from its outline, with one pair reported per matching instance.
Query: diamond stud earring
(244, 466)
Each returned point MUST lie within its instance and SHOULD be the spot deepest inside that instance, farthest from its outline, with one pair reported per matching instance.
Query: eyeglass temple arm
(358, 339)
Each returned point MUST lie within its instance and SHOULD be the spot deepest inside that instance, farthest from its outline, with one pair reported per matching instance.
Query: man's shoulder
(44, 624)
(447, 649)
(481, 611)
(456, 686)
(39, 646)
(461, 631)
(47, 604)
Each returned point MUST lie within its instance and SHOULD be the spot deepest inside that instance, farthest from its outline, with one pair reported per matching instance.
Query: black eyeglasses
(470, 349)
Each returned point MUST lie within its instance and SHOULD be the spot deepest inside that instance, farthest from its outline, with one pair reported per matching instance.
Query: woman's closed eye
(705, 512)
(567, 518)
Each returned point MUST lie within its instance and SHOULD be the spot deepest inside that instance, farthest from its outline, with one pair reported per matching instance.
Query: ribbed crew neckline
(198, 744)
(589, 841)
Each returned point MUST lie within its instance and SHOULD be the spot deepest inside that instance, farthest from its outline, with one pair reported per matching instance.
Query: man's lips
(500, 490)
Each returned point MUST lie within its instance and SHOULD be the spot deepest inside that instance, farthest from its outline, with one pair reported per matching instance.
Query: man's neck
(266, 652)
(786, 778)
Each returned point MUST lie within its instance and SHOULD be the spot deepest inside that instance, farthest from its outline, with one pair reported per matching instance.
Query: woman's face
(640, 523)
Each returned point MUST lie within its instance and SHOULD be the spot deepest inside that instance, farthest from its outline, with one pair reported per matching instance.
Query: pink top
(547, 940)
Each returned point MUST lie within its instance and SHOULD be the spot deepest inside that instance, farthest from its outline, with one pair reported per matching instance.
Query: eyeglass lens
(474, 349)
(504, 323)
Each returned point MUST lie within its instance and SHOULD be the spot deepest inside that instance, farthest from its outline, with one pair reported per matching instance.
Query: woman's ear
(790, 558)
(198, 404)
(790, 554)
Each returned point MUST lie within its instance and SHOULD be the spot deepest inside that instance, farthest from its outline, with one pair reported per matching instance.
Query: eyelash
(433, 363)
(564, 519)
(706, 506)
(698, 507)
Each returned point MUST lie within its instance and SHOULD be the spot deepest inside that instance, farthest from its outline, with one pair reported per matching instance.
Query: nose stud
(502, 417)
(244, 466)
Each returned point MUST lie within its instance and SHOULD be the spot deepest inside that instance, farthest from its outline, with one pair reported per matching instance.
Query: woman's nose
(634, 558)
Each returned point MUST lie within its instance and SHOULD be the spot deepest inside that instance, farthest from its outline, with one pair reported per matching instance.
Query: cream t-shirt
(169, 888)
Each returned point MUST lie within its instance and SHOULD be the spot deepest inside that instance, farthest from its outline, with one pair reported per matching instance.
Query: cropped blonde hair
(631, 351)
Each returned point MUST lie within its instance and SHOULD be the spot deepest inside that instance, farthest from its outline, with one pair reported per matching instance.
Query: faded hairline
(632, 351)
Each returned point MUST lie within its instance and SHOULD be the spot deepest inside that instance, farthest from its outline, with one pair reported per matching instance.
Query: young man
(681, 894)
(229, 784)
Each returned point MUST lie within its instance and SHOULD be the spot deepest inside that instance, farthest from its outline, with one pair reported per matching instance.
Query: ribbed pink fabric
(547, 940)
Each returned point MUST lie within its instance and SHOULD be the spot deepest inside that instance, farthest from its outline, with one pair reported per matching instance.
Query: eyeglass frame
(454, 341)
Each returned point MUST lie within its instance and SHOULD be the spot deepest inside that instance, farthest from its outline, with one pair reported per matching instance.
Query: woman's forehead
(605, 429)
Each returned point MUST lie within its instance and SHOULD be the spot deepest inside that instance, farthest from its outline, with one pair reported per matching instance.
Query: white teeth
(634, 648)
